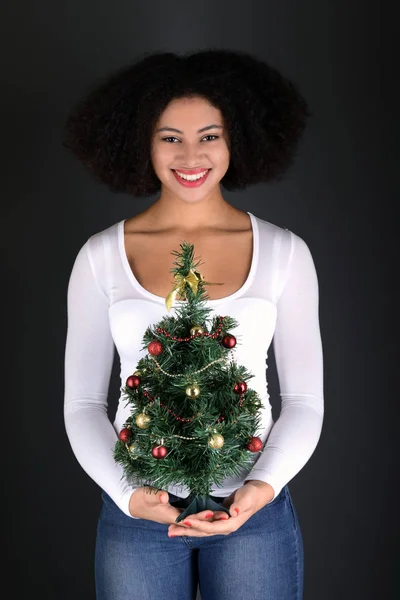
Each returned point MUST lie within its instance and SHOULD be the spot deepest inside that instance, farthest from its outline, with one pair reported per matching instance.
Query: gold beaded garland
(142, 421)
(192, 391)
(221, 359)
(196, 329)
(216, 441)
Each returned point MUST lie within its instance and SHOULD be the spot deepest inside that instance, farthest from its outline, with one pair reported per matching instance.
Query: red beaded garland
(229, 341)
(240, 387)
(182, 419)
(188, 339)
(255, 444)
(155, 348)
(177, 417)
(133, 382)
(159, 451)
(124, 434)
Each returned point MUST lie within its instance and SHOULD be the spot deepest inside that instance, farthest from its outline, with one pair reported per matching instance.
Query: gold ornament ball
(140, 372)
(216, 441)
(142, 421)
(196, 329)
(131, 448)
(192, 391)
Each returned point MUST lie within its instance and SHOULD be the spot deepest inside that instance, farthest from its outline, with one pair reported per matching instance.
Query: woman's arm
(299, 361)
(89, 355)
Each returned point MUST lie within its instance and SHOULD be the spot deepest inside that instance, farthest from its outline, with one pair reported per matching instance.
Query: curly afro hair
(110, 130)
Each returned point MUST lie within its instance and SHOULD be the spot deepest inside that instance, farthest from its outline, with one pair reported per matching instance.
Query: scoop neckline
(160, 299)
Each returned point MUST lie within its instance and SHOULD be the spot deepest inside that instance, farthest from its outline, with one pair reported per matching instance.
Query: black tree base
(195, 504)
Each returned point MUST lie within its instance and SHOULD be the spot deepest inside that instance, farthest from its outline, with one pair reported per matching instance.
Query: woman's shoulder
(100, 244)
(280, 232)
(106, 232)
(270, 225)
(274, 235)
(287, 247)
(102, 237)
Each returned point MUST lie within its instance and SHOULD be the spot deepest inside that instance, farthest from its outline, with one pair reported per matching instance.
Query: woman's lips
(195, 183)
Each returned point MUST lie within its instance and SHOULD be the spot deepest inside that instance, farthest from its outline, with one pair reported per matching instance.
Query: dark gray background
(339, 196)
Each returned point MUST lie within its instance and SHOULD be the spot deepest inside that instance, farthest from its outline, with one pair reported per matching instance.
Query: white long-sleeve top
(108, 310)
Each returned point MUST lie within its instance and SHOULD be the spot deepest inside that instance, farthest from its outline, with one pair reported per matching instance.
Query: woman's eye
(167, 139)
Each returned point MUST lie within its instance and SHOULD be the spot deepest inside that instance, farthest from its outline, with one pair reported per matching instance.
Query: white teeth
(191, 177)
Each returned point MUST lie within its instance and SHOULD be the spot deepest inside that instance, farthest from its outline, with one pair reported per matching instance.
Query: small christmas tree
(193, 417)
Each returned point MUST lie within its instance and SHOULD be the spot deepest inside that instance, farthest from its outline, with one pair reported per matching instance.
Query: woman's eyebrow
(199, 131)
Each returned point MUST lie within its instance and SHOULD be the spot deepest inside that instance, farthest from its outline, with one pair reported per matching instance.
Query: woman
(181, 127)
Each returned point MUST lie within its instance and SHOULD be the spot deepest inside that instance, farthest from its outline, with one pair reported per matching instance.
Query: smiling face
(189, 151)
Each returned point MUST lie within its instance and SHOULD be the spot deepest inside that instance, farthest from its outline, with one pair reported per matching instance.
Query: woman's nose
(191, 155)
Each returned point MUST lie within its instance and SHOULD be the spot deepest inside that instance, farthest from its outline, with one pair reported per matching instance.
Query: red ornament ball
(229, 341)
(125, 434)
(240, 387)
(159, 451)
(255, 444)
(155, 348)
(133, 382)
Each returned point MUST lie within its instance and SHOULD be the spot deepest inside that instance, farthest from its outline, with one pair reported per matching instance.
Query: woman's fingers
(220, 515)
(163, 496)
(196, 528)
(203, 514)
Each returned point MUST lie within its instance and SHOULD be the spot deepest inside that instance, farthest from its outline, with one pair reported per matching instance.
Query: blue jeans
(136, 560)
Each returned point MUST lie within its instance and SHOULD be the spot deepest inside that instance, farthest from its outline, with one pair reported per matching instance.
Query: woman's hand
(242, 504)
(152, 504)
